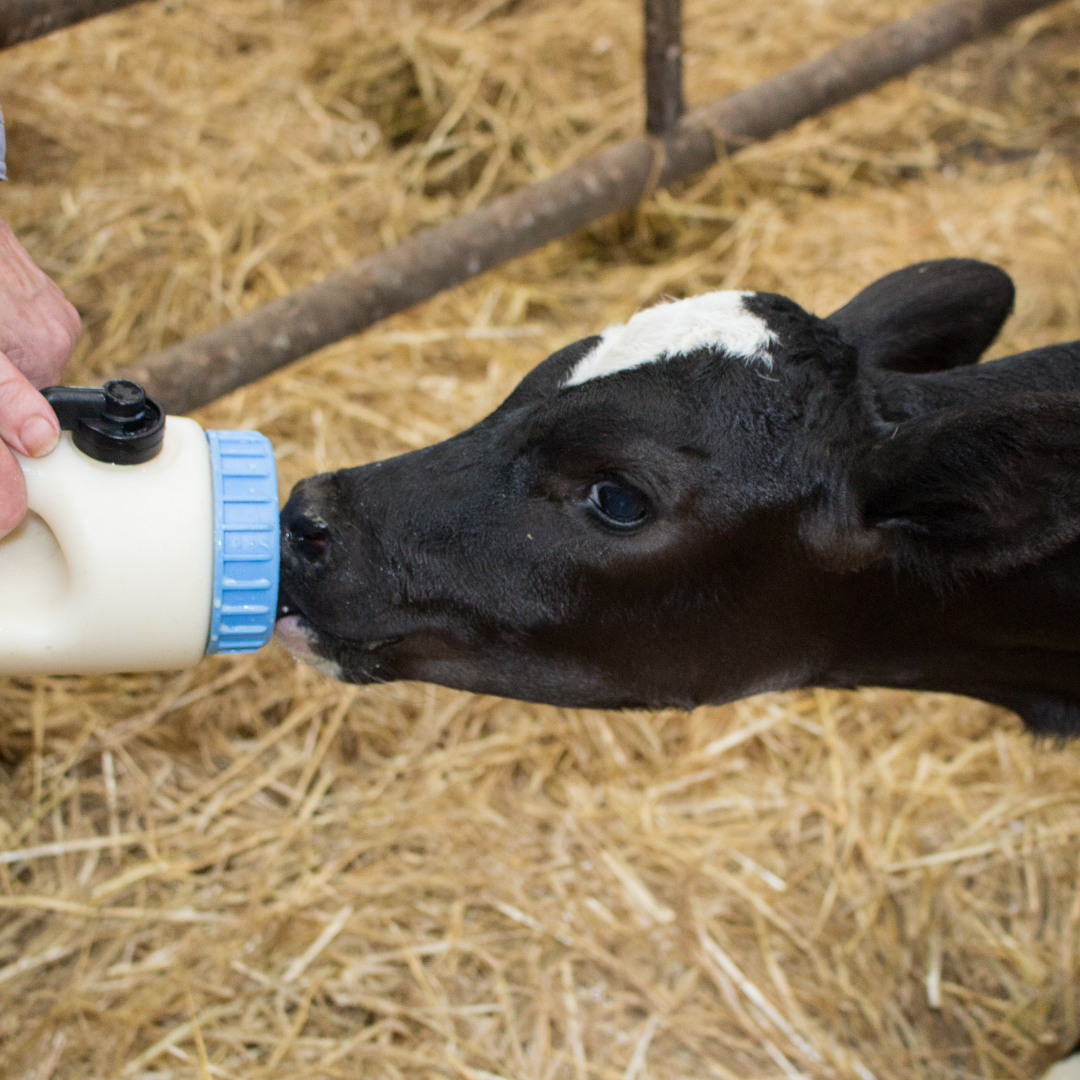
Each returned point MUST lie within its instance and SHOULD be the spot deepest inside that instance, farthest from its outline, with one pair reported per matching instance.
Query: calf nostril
(303, 528)
(309, 537)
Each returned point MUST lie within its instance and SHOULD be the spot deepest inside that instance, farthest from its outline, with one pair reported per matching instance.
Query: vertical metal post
(663, 65)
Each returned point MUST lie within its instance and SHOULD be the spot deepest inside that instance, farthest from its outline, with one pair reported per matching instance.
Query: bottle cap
(247, 543)
(116, 423)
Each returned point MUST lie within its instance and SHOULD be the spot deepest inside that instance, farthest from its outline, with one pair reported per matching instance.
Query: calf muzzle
(305, 535)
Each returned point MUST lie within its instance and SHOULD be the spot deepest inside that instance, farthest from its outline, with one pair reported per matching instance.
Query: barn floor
(247, 871)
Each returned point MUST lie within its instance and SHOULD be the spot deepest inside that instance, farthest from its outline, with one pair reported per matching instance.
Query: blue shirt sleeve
(3, 148)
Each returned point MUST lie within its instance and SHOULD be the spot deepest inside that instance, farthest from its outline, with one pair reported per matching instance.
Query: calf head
(725, 495)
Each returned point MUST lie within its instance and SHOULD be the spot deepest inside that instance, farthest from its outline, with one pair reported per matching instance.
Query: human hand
(38, 329)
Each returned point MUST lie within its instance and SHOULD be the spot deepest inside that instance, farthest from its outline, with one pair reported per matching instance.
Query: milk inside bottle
(149, 542)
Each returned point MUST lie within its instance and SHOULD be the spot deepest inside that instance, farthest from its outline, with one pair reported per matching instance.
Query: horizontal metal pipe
(24, 20)
(194, 372)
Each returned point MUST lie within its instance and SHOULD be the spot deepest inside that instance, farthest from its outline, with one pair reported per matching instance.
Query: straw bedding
(247, 871)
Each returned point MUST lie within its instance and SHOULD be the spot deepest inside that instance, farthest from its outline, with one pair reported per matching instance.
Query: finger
(55, 329)
(12, 492)
(40, 326)
(27, 422)
(51, 336)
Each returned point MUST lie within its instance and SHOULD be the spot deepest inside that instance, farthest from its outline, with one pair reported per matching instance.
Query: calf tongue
(291, 632)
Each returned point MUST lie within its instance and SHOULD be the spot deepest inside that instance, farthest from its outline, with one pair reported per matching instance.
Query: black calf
(727, 495)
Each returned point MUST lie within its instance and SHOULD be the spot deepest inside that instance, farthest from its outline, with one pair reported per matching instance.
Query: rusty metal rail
(203, 368)
(24, 20)
(663, 66)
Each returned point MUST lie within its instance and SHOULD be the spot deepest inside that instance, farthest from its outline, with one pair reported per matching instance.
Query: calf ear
(984, 489)
(927, 317)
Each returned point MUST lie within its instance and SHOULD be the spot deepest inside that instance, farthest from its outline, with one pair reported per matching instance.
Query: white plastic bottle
(149, 542)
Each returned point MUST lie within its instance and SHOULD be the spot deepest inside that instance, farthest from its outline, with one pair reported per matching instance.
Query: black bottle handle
(116, 423)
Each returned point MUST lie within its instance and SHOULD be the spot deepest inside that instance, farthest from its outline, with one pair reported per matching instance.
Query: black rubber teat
(117, 423)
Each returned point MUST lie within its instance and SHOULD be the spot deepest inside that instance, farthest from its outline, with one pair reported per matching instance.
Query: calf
(724, 496)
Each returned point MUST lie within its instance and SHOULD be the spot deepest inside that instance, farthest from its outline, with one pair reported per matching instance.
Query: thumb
(27, 421)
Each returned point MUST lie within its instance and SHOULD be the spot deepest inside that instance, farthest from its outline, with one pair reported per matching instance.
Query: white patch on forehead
(717, 320)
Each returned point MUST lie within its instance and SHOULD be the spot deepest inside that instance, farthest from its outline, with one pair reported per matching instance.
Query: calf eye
(619, 505)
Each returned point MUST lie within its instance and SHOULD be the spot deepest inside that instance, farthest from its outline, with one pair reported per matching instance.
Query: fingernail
(38, 436)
